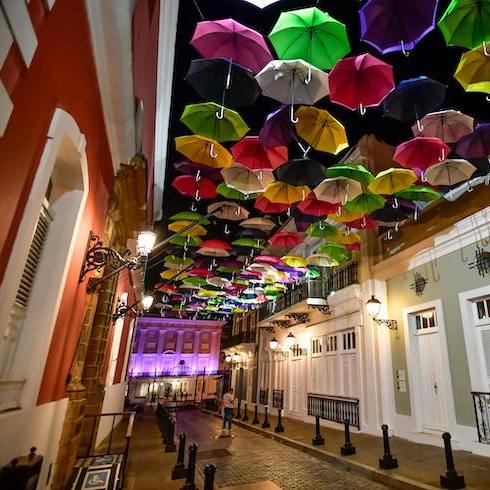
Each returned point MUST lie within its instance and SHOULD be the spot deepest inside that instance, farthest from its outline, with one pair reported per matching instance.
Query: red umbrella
(263, 204)
(364, 223)
(216, 244)
(353, 246)
(268, 259)
(199, 272)
(360, 81)
(250, 153)
(188, 186)
(313, 207)
(286, 239)
(421, 152)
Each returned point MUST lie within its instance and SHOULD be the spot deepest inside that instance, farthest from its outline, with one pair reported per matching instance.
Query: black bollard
(451, 479)
(279, 427)
(256, 420)
(265, 424)
(245, 414)
(238, 414)
(317, 440)
(347, 449)
(170, 446)
(179, 470)
(387, 462)
(209, 471)
(191, 469)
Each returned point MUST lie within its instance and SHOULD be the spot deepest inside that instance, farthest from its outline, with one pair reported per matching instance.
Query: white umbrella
(337, 190)
(449, 172)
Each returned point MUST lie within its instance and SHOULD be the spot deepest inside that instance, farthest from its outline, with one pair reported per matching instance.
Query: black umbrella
(222, 81)
(390, 214)
(251, 233)
(302, 171)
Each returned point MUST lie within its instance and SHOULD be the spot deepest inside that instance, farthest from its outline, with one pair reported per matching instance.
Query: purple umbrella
(191, 168)
(475, 144)
(396, 25)
(229, 39)
(277, 129)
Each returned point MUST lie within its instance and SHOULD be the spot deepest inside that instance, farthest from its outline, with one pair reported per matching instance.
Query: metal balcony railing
(241, 338)
(481, 402)
(334, 408)
(10, 393)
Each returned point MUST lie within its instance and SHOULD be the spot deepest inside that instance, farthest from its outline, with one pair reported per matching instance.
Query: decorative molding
(281, 323)
(299, 317)
(6, 108)
(419, 284)
(481, 262)
(6, 38)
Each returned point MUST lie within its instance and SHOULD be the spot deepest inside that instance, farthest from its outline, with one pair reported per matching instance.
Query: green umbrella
(320, 229)
(240, 282)
(175, 260)
(214, 121)
(311, 35)
(335, 251)
(365, 203)
(189, 216)
(181, 241)
(466, 23)
(194, 281)
(249, 243)
(354, 171)
(418, 193)
(313, 272)
(229, 193)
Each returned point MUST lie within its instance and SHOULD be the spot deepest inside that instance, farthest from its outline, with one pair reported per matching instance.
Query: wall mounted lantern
(373, 306)
(122, 309)
(273, 343)
(228, 358)
(235, 357)
(290, 340)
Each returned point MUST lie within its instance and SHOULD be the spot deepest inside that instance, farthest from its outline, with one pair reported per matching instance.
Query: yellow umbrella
(196, 230)
(263, 224)
(346, 238)
(244, 180)
(294, 261)
(168, 274)
(322, 260)
(321, 130)
(228, 210)
(337, 190)
(392, 180)
(473, 71)
(345, 216)
(282, 193)
(205, 151)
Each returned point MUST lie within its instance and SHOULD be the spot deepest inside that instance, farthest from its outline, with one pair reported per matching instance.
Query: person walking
(228, 403)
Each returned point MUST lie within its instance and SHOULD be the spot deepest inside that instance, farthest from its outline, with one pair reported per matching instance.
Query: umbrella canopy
(390, 214)
(278, 130)
(268, 259)
(449, 172)
(473, 71)
(228, 210)
(418, 193)
(186, 241)
(335, 251)
(311, 35)
(189, 216)
(174, 261)
(199, 272)
(229, 193)
(262, 224)
(214, 121)
(321, 130)
(219, 282)
(263, 204)
(321, 229)
(311, 206)
(205, 151)
(212, 252)
(196, 282)
(285, 239)
(294, 261)
(191, 168)
(476, 144)
(364, 223)
(217, 244)
(322, 260)
(449, 125)
(365, 203)
(346, 238)
(421, 152)
(196, 230)
(392, 180)
(354, 171)
(246, 181)
(250, 153)
(262, 4)
(360, 81)
(396, 26)
(466, 23)
(222, 81)
(302, 171)
(282, 193)
(248, 243)
(229, 39)
(187, 185)
(337, 190)
(413, 98)
(172, 274)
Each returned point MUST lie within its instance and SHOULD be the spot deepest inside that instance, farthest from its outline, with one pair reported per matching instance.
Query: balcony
(240, 338)
(10, 393)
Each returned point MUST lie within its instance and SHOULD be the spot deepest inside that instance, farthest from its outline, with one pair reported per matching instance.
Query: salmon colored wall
(145, 57)
(62, 74)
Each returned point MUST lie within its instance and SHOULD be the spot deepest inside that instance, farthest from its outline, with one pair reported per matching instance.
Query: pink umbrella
(421, 152)
(268, 259)
(449, 125)
(229, 39)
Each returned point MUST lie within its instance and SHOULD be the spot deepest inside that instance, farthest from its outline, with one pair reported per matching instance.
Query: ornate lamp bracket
(299, 317)
(391, 324)
(281, 323)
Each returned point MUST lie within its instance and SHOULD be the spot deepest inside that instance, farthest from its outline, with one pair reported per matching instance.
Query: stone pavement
(419, 464)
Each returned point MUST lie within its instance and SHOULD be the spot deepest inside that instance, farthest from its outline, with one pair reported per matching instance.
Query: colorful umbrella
(285, 239)
(337, 190)
(392, 180)
(248, 243)
(222, 81)
(250, 153)
(188, 186)
(311, 206)
(199, 272)
(293, 82)
(476, 144)
(228, 210)
(346, 238)
(473, 71)
(360, 81)
(186, 241)
(354, 171)
(449, 172)
(262, 224)
(196, 230)
(345, 216)
(229, 193)
(196, 282)
(466, 23)
(396, 26)
(335, 251)
(243, 180)
(311, 35)
(176, 262)
(321, 130)
(204, 151)
(322, 260)
(302, 171)
(282, 193)
(189, 216)
(294, 261)
(365, 203)
(172, 274)
(364, 223)
(219, 282)
(277, 129)
(263, 204)
(390, 214)
(229, 39)
(262, 4)
(214, 121)
(413, 98)
(421, 152)
(321, 229)
(191, 168)
(449, 125)
(418, 193)
(268, 259)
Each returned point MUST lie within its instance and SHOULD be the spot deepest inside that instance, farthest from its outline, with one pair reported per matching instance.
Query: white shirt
(228, 400)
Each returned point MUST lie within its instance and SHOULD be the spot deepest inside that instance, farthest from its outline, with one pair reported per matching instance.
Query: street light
(228, 358)
(145, 243)
(290, 340)
(147, 302)
(273, 343)
(235, 357)
(373, 306)
(122, 308)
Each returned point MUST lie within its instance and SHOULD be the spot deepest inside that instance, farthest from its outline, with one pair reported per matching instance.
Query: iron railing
(241, 338)
(481, 402)
(334, 408)
(179, 373)
(263, 396)
(10, 393)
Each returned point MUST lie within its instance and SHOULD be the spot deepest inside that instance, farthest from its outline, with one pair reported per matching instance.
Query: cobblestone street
(249, 458)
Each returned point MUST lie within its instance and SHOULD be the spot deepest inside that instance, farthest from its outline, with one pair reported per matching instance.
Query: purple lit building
(174, 358)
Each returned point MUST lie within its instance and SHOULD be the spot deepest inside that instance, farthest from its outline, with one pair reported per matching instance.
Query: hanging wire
(198, 9)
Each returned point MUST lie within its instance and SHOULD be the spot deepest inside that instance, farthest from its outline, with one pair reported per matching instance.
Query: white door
(481, 311)
(432, 379)
(297, 386)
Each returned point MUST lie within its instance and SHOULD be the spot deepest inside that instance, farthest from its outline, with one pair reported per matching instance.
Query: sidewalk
(420, 465)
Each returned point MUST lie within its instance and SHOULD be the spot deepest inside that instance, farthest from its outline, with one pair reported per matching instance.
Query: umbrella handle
(397, 226)
(294, 120)
(443, 155)
(396, 203)
(469, 189)
(320, 225)
(305, 153)
(228, 76)
(487, 179)
(423, 178)
(363, 222)
(220, 114)
(227, 229)
(487, 98)
(197, 197)
(193, 206)
(420, 126)
(416, 214)
(308, 78)
(485, 50)
(390, 235)
(198, 175)
(347, 231)
(288, 212)
(212, 151)
(339, 211)
(404, 51)
(362, 110)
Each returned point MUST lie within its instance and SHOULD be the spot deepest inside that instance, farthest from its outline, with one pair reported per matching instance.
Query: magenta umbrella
(476, 144)
(421, 152)
(191, 168)
(277, 129)
(229, 39)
